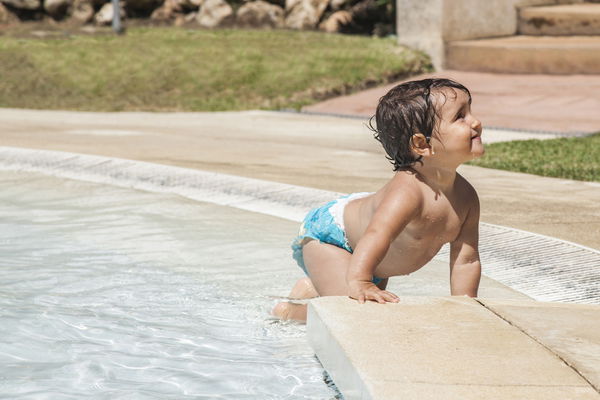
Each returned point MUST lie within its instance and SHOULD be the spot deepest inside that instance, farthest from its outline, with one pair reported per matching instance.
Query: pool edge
(507, 252)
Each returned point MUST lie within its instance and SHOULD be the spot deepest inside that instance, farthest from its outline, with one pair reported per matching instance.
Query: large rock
(162, 13)
(57, 9)
(336, 22)
(174, 9)
(105, 15)
(260, 14)
(24, 4)
(83, 11)
(7, 17)
(304, 14)
(185, 19)
(214, 13)
(180, 19)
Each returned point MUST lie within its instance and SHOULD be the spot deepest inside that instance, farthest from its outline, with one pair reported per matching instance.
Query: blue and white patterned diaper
(325, 224)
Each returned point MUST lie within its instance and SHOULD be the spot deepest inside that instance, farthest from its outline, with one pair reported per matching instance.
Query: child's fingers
(378, 297)
(383, 297)
(391, 297)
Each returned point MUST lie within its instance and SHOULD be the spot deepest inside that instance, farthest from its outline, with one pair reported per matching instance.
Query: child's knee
(305, 284)
(289, 311)
(303, 289)
(281, 310)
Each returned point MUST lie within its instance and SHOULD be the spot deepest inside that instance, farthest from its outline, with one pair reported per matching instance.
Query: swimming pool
(116, 293)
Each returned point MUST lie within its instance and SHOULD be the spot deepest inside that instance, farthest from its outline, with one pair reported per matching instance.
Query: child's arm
(465, 267)
(391, 217)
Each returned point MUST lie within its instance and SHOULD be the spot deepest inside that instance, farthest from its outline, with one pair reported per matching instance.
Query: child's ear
(419, 145)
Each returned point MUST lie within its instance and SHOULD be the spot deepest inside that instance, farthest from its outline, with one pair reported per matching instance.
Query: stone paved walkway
(553, 103)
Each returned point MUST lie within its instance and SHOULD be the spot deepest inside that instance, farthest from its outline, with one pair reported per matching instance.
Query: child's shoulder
(405, 181)
(405, 186)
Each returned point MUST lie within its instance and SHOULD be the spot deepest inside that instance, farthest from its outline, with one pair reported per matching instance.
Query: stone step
(432, 348)
(560, 20)
(526, 54)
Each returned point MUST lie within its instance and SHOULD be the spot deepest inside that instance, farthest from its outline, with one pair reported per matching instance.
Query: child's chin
(478, 153)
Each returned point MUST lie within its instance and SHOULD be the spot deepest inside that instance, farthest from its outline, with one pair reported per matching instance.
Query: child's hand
(363, 291)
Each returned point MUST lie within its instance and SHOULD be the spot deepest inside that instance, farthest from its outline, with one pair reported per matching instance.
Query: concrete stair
(527, 55)
(563, 20)
(559, 39)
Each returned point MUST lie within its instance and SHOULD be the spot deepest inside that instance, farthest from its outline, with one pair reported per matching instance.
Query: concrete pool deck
(324, 152)
(339, 154)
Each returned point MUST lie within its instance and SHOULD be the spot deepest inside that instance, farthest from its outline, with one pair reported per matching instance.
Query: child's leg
(327, 266)
(303, 289)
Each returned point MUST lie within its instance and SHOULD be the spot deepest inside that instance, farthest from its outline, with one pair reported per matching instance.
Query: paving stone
(572, 331)
(434, 348)
(565, 104)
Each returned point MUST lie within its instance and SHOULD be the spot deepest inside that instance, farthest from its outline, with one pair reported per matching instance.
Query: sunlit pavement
(339, 154)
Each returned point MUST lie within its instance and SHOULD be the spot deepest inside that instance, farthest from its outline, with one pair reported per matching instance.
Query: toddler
(351, 246)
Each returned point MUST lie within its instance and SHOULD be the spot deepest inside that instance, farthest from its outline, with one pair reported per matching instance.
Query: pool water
(113, 293)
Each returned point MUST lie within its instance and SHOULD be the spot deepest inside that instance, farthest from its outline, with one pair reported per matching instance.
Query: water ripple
(110, 293)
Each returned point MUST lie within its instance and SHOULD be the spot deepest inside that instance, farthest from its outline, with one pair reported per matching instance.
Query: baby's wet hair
(405, 110)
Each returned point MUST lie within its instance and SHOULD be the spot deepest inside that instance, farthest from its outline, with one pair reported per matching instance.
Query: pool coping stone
(452, 348)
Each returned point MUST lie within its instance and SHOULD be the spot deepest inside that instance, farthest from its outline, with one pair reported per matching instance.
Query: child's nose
(476, 123)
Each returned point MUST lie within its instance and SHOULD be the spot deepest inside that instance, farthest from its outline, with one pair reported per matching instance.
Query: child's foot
(303, 289)
(286, 311)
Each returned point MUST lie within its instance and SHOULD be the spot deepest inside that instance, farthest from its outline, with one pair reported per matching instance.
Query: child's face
(459, 132)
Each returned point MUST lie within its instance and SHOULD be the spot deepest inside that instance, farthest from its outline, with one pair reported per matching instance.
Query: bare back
(439, 219)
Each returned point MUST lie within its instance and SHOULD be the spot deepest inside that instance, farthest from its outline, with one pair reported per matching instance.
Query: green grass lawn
(175, 69)
(571, 158)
